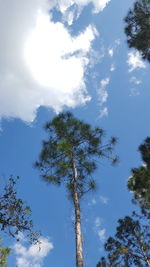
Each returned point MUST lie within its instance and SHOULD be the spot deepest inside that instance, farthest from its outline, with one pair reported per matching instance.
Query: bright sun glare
(37, 51)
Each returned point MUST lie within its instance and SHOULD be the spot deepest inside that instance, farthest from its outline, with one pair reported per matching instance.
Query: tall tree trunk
(79, 255)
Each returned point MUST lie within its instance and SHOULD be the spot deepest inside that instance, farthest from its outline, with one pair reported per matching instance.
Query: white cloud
(102, 234)
(95, 57)
(135, 80)
(42, 64)
(104, 82)
(102, 93)
(34, 255)
(71, 9)
(103, 96)
(100, 5)
(111, 52)
(70, 15)
(135, 61)
(112, 49)
(104, 200)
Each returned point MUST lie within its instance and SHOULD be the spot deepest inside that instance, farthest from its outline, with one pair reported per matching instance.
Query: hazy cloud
(117, 42)
(92, 202)
(103, 112)
(102, 234)
(135, 80)
(134, 92)
(103, 96)
(112, 68)
(100, 231)
(98, 222)
(104, 200)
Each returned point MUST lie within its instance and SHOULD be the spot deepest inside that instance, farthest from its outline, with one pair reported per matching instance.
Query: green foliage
(139, 182)
(4, 252)
(71, 140)
(131, 244)
(138, 28)
(14, 214)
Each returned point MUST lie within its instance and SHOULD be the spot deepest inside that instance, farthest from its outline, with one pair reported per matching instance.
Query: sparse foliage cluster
(14, 217)
(139, 182)
(14, 213)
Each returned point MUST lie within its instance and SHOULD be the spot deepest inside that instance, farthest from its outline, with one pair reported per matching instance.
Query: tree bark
(79, 254)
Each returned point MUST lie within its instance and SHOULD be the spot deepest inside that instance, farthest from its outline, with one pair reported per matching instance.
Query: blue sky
(69, 55)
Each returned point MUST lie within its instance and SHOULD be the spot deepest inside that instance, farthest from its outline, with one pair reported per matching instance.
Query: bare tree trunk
(79, 256)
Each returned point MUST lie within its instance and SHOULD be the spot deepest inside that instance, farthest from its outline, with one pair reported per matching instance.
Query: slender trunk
(145, 256)
(79, 256)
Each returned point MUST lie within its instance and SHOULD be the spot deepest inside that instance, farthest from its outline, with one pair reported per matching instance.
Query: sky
(69, 55)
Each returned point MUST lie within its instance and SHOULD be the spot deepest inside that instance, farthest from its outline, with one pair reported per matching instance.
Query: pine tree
(131, 244)
(69, 157)
(138, 28)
